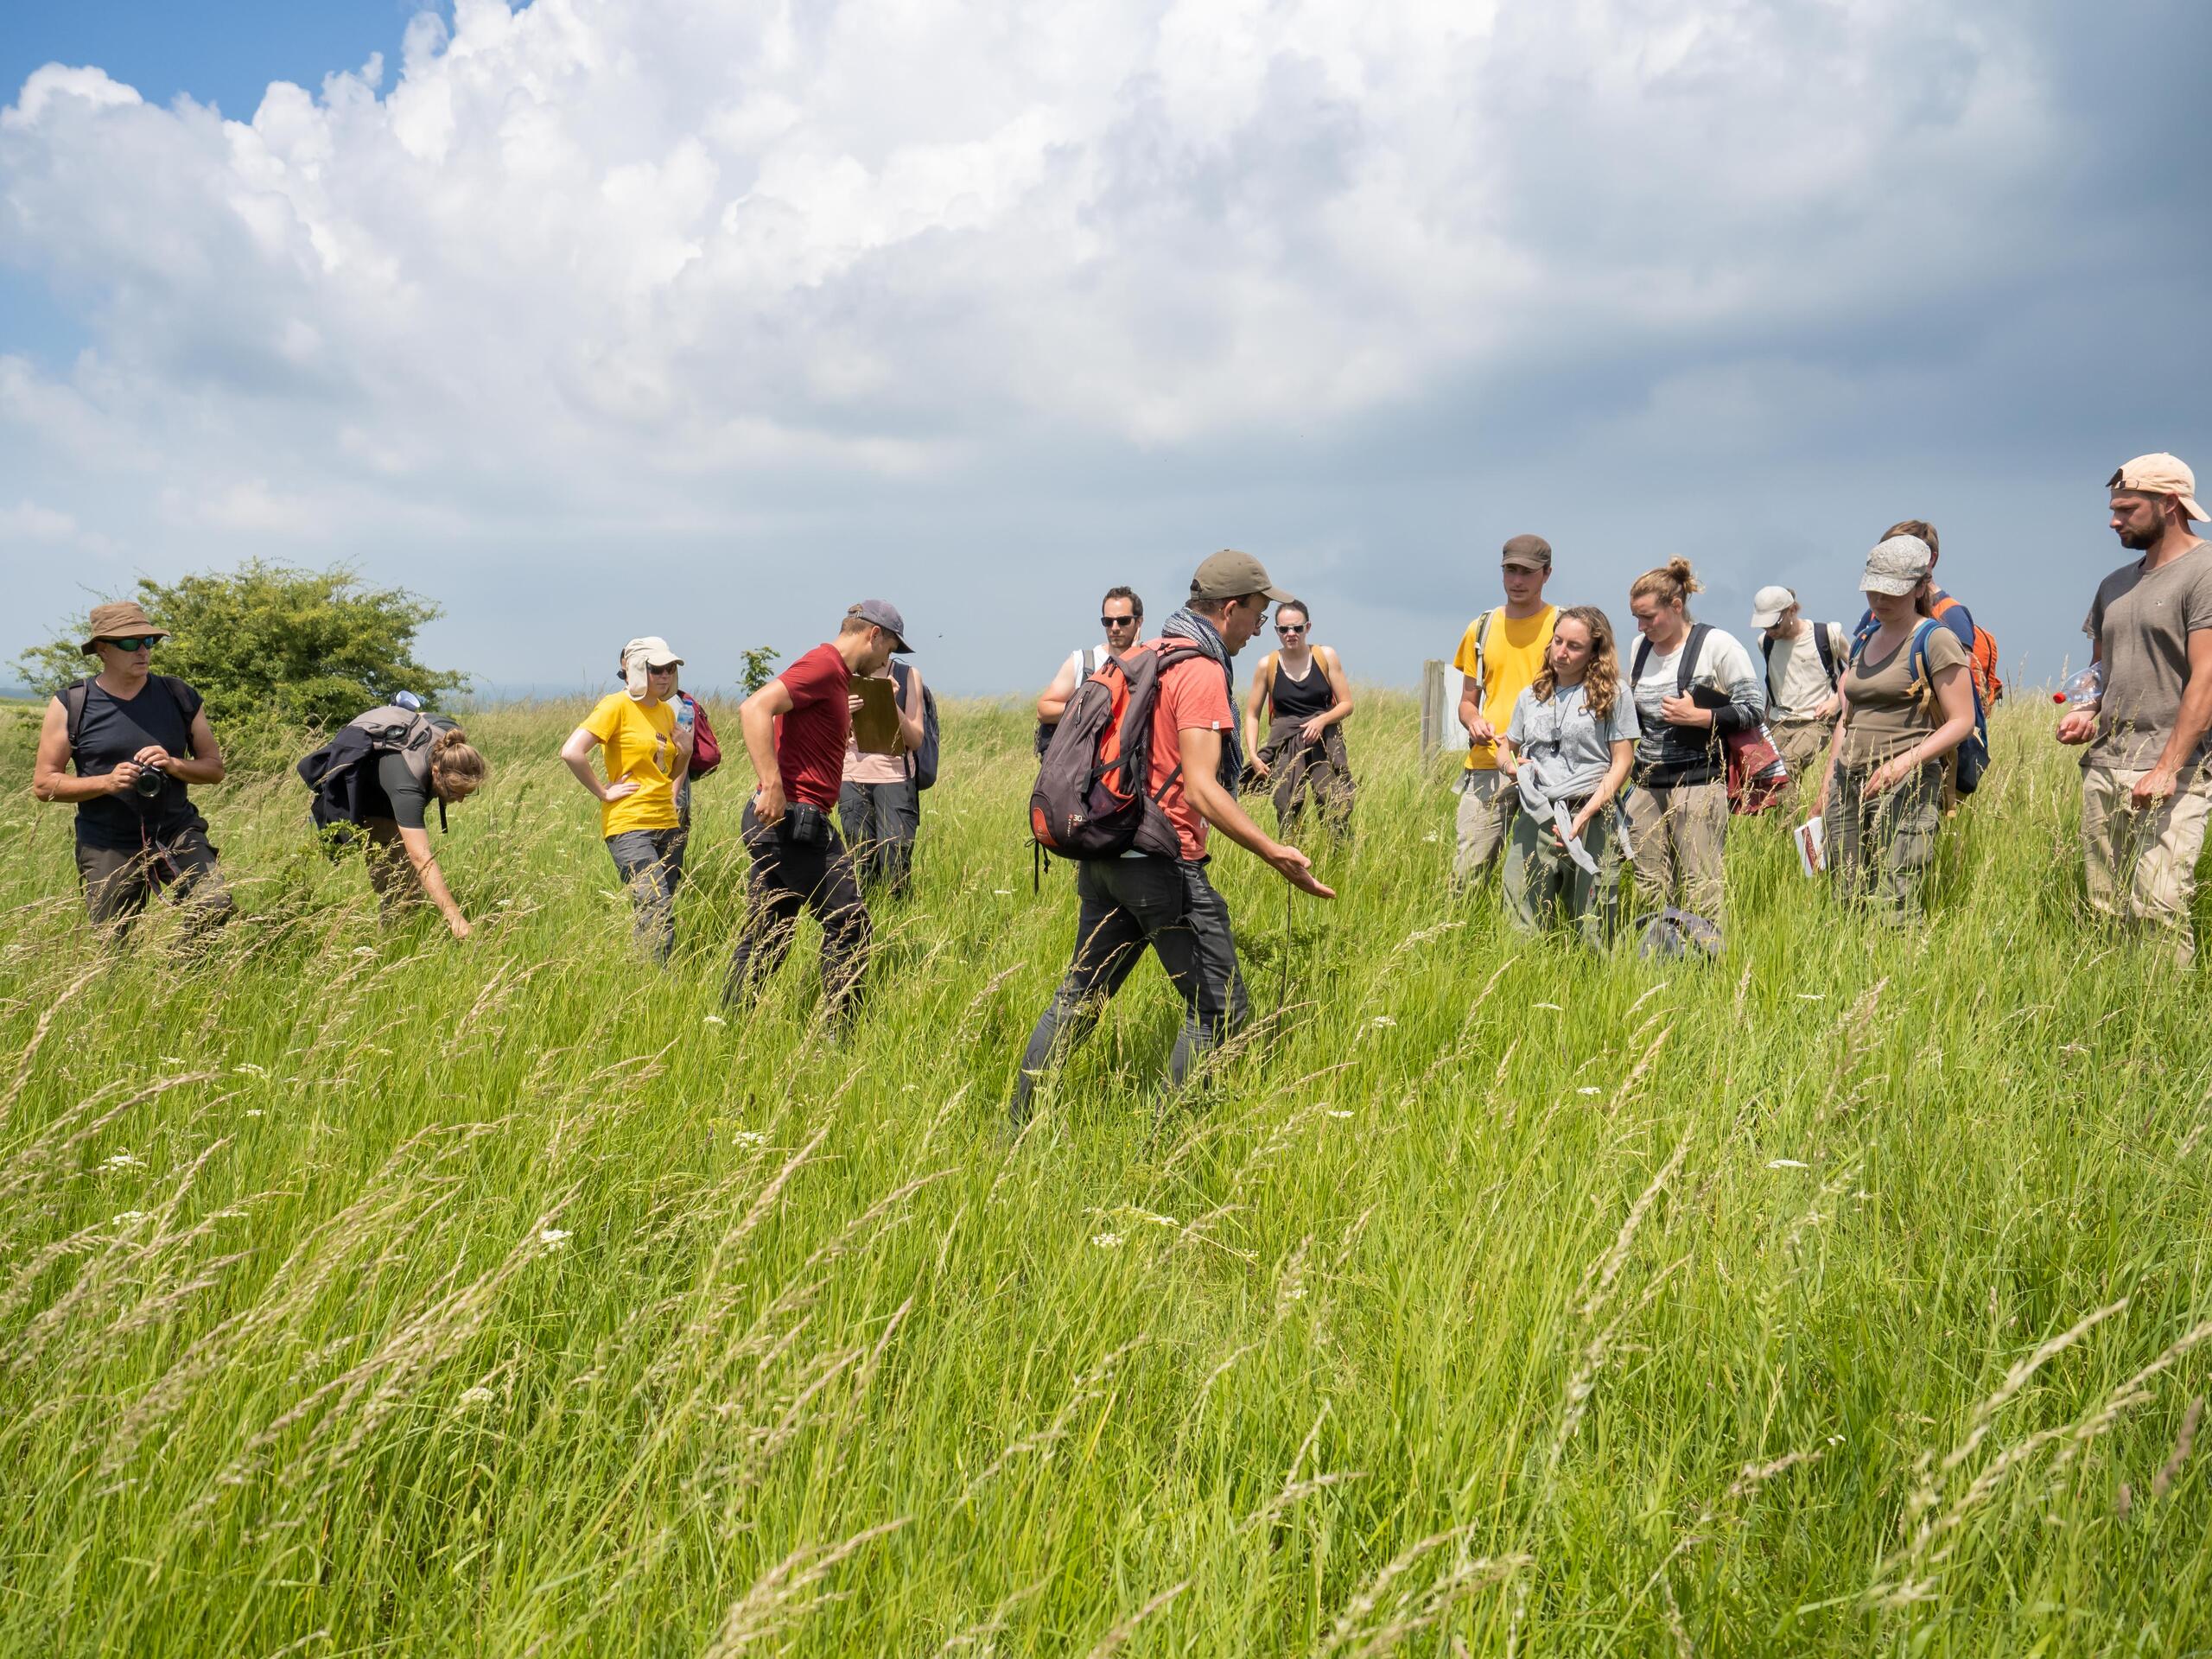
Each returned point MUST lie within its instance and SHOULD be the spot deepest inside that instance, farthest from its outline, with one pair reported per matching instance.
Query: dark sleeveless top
(114, 729)
(1301, 699)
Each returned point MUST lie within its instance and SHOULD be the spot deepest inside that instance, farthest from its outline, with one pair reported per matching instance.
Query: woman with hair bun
(1693, 685)
(419, 759)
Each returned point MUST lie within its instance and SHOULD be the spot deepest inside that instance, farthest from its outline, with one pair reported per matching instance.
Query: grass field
(361, 1292)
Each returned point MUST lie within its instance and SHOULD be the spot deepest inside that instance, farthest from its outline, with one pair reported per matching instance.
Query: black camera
(806, 825)
(147, 786)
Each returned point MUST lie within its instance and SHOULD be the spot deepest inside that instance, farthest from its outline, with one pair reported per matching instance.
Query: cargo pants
(2141, 867)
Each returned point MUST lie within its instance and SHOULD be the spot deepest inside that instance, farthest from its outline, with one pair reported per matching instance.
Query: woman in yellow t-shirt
(646, 754)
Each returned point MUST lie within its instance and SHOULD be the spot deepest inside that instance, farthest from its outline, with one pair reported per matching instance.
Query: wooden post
(1432, 710)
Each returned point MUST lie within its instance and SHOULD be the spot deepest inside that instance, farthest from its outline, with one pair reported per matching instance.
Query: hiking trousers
(1487, 804)
(2141, 867)
(1880, 847)
(1317, 774)
(117, 883)
(1546, 889)
(786, 878)
(1677, 834)
(1123, 905)
(881, 821)
(1802, 745)
(651, 864)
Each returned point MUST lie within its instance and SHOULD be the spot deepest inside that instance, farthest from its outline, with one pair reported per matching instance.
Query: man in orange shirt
(1141, 899)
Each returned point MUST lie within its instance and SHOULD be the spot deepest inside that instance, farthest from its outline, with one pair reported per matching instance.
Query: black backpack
(921, 765)
(335, 771)
(1091, 800)
(1821, 643)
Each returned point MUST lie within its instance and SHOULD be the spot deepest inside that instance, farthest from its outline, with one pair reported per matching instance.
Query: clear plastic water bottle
(408, 700)
(2084, 690)
(686, 717)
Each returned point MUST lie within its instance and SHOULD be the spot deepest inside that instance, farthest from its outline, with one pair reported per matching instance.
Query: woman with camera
(137, 740)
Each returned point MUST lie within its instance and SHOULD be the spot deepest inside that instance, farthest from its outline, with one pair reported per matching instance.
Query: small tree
(267, 643)
(760, 667)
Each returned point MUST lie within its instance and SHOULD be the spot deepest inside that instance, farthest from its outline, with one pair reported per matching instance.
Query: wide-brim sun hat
(123, 619)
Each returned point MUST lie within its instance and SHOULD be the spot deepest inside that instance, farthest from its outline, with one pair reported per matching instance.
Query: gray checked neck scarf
(1187, 624)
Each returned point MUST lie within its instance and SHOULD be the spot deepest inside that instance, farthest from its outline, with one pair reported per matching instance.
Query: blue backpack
(921, 765)
(1974, 749)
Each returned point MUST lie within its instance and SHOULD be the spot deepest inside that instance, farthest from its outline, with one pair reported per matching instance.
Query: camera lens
(148, 783)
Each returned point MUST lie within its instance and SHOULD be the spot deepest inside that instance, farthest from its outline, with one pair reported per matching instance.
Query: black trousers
(117, 883)
(1125, 905)
(786, 878)
(881, 821)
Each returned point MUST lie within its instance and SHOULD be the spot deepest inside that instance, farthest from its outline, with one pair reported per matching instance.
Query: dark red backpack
(706, 753)
(1090, 799)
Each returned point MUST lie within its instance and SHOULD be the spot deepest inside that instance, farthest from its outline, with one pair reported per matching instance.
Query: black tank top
(113, 730)
(1302, 699)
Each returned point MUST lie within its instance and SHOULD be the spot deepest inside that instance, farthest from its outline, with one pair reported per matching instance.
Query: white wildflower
(250, 1070)
(1383, 1022)
(126, 1218)
(1785, 1163)
(253, 1111)
(1106, 1241)
(554, 1237)
(715, 1019)
(125, 1161)
(1554, 1007)
(364, 949)
(172, 1060)
(1001, 892)
(1812, 996)
(750, 1138)
(1429, 840)
(1336, 1111)
(1590, 1090)
(478, 1395)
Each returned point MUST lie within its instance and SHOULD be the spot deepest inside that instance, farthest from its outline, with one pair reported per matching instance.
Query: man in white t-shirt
(1804, 665)
(1120, 616)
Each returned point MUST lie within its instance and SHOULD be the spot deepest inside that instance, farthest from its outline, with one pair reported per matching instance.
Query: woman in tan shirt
(1907, 704)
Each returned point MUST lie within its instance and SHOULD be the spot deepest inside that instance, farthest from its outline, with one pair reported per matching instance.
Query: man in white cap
(1804, 665)
(1148, 899)
(2144, 792)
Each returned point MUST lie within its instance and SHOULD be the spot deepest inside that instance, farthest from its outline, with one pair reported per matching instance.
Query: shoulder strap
(1944, 606)
(1826, 646)
(1917, 662)
(1687, 666)
(1090, 662)
(1865, 632)
(73, 697)
(1635, 668)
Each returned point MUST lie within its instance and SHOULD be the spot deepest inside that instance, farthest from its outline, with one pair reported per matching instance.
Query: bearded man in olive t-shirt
(2146, 793)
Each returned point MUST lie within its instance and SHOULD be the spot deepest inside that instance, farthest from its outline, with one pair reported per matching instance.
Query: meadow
(362, 1292)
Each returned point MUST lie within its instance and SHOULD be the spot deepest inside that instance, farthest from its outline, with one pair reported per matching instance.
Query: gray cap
(884, 615)
(1529, 552)
(1769, 603)
(1897, 566)
(1232, 574)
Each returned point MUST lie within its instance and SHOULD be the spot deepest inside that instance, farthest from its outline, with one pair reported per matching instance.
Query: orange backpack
(1982, 659)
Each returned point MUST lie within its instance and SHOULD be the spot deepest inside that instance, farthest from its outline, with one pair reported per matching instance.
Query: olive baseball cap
(1529, 552)
(1897, 566)
(1232, 574)
(2160, 474)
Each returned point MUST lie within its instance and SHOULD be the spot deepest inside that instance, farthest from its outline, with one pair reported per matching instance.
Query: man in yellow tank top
(1499, 657)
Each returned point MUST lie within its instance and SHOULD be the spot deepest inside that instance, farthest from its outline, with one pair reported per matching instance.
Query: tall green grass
(361, 1292)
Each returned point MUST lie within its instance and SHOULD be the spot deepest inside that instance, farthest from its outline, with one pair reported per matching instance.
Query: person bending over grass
(1573, 731)
(646, 754)
(1907, 704)
(417, 759)
(1148, 899)
(137, 739)
(1302, 690)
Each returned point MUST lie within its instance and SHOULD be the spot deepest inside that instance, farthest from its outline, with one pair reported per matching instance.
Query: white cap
(1767, 604)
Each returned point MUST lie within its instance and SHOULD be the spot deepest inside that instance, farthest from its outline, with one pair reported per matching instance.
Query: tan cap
(1897, 566)
(1529, 552)
(1769, 603)
(2160, 474)
(123, 620)
(1232, 574)
(654, 649)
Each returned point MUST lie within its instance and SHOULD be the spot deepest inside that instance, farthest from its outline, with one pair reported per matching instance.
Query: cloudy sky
(706, 317)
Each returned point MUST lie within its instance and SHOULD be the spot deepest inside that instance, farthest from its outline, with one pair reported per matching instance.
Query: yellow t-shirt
(1512, 655)
(639, 745)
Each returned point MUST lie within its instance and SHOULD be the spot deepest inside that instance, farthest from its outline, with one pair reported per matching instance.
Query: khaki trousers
(2142, 866)
(1803, 746)
(1487, 804)
(1674, 841)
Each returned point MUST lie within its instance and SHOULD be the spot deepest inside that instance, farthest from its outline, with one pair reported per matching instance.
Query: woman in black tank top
(1301, 691)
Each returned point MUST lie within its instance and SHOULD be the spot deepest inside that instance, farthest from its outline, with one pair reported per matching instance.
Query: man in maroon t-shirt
(795, 730)
(1126, 904)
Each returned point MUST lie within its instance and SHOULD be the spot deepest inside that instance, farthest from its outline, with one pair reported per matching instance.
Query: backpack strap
(1267, 665)
(1865, 632)
(1089, 663)
(1635, 668)
(1766, 654)
(73, 697)
(1922, 682)
(1826, 646)
(1691, 649)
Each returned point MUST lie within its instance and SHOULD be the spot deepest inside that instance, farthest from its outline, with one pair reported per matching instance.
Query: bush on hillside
(274, 648)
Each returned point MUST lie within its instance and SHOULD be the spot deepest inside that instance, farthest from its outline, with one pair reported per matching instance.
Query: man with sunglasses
(135, 740)
(1120, 616)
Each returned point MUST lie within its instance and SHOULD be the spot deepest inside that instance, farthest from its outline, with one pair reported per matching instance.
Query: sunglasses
(1117, 621)
(136, 642)
(1292, 627)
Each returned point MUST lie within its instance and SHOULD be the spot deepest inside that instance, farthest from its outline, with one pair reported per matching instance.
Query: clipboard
(875, 724)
